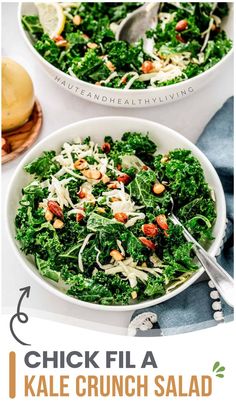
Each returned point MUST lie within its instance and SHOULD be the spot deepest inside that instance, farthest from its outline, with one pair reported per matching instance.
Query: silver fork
(220, 278)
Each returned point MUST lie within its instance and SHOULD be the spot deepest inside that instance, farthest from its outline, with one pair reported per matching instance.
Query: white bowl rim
(214, 248)
(103, 89)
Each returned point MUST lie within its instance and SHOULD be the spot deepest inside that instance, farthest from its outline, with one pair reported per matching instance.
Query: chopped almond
(158, 188)
(48, 215)
(58, 224)
(80, 164)
(77, 20)
(116, 255)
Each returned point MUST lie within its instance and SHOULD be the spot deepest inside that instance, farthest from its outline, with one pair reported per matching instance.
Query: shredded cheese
(86, 240)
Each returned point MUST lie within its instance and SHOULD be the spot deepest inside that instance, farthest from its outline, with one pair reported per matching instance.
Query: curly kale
(43, 166)
(78, 253)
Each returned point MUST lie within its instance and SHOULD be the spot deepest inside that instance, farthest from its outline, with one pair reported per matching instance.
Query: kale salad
(95, 218)
(188, 40)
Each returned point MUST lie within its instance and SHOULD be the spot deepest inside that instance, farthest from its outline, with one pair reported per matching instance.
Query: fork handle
(221, 279)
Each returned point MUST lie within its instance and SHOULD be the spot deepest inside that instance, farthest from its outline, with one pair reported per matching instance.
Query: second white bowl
(97, 128)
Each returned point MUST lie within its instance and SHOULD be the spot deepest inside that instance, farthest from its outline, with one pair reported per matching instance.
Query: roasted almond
(82, 193)
(150, 230)
(58, 38)
(116, 255)
(55, 208)
(148, 243)
(147, 67)
(79, 217)
(121, 217)
(162, 221)
(106, 147)
(124, 179)
(180, 38)
(181, 25)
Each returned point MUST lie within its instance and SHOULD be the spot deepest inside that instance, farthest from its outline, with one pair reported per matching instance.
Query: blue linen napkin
(200, 305)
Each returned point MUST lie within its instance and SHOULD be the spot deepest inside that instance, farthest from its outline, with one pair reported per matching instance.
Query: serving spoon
(220, 278)
(135, 25)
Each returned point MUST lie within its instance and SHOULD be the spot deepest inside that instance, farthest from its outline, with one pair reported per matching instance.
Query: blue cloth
(192, 309)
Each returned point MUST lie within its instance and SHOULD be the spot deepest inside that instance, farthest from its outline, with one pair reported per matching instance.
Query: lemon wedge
(51, 17)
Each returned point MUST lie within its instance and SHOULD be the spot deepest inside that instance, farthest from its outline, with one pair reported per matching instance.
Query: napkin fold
(200, 305)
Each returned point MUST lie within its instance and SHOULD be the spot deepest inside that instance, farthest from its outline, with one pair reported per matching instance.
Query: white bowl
(98, 128)
(127, 98)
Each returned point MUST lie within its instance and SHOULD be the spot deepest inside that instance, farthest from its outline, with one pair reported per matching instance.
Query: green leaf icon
(220, 369)
(216, 365)
(220, 375)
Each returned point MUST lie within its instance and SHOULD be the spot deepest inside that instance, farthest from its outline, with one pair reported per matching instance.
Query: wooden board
(20, 139)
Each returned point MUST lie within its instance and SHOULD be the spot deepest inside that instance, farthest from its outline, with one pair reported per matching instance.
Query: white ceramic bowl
(127, 98)
(98, 128)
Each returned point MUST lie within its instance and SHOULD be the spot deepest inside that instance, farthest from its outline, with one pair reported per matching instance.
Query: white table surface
(60, 108)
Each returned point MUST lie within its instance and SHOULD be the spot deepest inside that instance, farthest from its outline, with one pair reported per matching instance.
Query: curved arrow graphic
(20, 315)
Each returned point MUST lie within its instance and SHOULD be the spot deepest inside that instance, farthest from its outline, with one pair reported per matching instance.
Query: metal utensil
(135, 25)
(220, 278)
